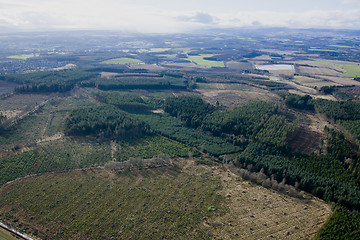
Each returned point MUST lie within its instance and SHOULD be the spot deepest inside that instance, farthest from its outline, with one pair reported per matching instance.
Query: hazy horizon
(161, 16)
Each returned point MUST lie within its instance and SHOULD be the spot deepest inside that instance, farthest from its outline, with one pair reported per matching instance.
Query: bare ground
(259, 213)
(231, 98)
(319, 71)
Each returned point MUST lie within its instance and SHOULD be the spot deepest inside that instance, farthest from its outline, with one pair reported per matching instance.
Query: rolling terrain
(190, 137)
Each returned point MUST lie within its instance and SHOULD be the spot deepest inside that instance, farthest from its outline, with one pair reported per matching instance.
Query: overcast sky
(176, 16)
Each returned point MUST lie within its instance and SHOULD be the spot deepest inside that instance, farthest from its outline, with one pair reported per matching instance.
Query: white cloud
(198, 17)
(127, 15)
(310, 19)
(352, 2)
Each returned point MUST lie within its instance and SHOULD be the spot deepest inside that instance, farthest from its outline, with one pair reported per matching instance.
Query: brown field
(231, 98)
(301, 88)
(327, 64)
(341, 80)
(314, 82)
(258, 76)
(224, 86)
(260, 213)
(239, 66)
(180, 65)
(150, 67)
(23, 102)
(305, 140)
(318, 71)
(328, 97)
(10, 113)
(282, 72)
(262, 58)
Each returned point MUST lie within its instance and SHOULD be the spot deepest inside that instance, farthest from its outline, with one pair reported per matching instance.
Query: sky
(168, 16)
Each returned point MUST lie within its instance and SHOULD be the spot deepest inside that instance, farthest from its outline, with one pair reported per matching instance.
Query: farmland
(250, 135)
(122, 61)
(352, 71)
(202, 62)
(22, 57)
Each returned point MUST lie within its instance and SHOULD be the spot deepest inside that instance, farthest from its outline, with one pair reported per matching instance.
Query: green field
(22, 56)
(123, 61)
(321, 50)
(5, 235)
(340, 46)
(352, 70)
(199, 60)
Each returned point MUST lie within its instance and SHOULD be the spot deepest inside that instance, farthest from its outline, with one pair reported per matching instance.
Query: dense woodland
(123, 100)
(191, 110)
(128, 83)
(45, 82)
(103, 121)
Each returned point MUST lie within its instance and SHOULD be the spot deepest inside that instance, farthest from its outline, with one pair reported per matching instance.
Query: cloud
(309, 19)
(198, 17)
(351, 2)
(128, 15)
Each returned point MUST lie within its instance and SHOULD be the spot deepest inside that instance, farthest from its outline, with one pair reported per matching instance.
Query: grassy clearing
(97, 204)
(352, 70)
(124, 61)
(199, 60)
